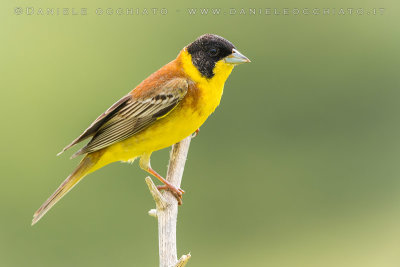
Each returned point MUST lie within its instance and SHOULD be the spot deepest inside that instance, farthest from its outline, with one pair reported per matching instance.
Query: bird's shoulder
(169, 79)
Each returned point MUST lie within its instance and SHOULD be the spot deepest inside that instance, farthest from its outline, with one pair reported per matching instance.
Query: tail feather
(85, 167)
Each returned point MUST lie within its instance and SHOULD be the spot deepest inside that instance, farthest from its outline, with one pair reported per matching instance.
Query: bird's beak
(236, 58)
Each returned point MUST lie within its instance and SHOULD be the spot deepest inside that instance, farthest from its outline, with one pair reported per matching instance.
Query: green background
(299, 166)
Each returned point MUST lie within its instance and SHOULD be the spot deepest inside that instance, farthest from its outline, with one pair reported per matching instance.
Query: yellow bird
(165, 108)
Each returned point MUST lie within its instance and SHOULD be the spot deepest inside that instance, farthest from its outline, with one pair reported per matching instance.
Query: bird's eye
(213, 52)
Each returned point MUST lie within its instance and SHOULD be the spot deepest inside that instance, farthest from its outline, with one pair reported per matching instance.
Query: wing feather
(130, 115)
(103, 118)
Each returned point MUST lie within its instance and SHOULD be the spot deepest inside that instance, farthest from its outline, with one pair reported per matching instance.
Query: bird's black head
(207, 50)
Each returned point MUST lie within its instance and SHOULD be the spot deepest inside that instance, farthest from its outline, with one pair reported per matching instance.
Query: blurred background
(299, 166)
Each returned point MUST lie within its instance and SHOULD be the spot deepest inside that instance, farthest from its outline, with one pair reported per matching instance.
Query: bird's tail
(86, 166)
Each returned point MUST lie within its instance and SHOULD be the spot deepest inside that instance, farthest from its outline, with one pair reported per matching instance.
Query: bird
(165, 108)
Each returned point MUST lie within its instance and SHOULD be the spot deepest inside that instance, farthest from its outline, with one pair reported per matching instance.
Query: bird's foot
(196, 133)
(177, 192)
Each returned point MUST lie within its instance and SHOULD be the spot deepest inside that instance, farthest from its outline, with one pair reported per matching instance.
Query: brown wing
(131, 115)
(91, 130)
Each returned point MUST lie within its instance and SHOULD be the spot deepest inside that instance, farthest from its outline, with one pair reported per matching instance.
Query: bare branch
(167, 207)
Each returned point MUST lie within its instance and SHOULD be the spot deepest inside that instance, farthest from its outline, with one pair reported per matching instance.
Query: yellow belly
(181, 122)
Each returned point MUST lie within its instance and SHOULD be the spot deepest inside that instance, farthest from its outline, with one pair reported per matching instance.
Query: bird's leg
(145, 165)
(196, 133)
(167, 186)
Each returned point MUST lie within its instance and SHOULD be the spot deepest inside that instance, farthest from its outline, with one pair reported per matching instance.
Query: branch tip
(153, 213)
(183, 260)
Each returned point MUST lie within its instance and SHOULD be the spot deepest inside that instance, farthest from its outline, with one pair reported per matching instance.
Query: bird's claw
(177, 192)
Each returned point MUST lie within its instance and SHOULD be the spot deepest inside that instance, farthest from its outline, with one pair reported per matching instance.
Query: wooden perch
(167, 207)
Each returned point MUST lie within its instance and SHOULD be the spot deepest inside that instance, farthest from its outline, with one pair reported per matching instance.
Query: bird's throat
(221, 71)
